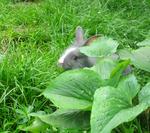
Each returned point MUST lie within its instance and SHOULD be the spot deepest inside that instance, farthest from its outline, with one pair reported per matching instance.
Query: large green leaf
(144, 95)
(139, 58)
(73, 89)
(144, 43)
(113, 106)
(104, 67)
(124, 115)
(67, 119)
(36, 127)
(125, 54)
(101, 47)
(110, 71)
(117, 73)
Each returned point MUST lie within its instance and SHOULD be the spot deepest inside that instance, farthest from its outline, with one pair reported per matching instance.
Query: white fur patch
(67, 52)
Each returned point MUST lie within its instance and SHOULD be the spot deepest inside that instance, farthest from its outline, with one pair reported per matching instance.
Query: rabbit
(72, 57)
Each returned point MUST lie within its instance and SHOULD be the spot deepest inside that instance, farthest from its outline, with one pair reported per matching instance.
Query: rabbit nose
(60, 64)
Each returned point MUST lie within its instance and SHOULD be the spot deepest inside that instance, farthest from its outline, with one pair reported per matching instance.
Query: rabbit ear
(91, 39)
(79, 35)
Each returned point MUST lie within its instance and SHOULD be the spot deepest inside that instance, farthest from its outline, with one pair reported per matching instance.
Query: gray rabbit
(72, 57)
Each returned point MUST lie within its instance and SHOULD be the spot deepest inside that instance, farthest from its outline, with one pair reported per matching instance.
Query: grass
(34, 34)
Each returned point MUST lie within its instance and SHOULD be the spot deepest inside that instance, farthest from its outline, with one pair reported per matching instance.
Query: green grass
(34, 34)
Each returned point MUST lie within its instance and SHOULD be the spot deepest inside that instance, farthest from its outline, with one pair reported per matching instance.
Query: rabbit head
(72, 58)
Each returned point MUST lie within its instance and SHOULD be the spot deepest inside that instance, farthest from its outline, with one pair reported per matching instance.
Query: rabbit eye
(75, 58)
